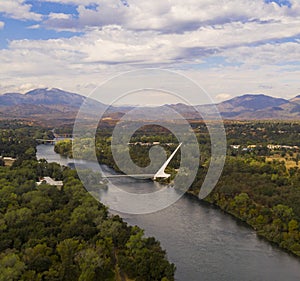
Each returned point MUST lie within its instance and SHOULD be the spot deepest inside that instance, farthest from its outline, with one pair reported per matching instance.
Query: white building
(50, 181)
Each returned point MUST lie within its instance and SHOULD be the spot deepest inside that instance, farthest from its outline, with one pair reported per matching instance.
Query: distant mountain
(296, 99)
(57, 104)
(44, 103)
(247, 107)
(11, 99)
(43, 96)
(253, 106)
(54, 96)
(250, 102)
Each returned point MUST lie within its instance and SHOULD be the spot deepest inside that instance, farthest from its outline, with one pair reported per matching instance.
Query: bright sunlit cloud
(228, 47)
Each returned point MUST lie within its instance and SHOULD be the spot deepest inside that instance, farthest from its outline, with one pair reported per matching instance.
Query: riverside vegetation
(51, 234)
(255, 186)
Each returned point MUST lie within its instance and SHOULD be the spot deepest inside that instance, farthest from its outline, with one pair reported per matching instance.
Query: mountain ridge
(43, 102)
(257, 106)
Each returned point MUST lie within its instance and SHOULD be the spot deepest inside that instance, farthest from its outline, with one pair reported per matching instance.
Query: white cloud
(79, 63)
(75, 2)
(175, 16)
(23, 88)
(1, 24)
(18, 9)
(188, 30)
(35, 26)
(110, 45)
(222, 97)
(270, 80)
(174, 34)
(59, 16)
(267, 54)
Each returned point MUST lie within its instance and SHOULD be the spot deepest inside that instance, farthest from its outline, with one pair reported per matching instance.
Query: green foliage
(55, 235)
(265, 195)
(17, 139)
(11, 266)
(67, 250)
(45, 233)
(64, 147)
(66, 235)
(146, 258)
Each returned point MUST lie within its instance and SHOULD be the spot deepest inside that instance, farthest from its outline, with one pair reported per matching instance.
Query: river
(204, 243)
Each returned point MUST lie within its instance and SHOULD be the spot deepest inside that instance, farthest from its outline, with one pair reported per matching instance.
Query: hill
(55, 104)
(43, 96)
(257, 107)
(44, 104)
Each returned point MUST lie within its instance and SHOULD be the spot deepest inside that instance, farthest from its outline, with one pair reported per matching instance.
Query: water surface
(203, 242)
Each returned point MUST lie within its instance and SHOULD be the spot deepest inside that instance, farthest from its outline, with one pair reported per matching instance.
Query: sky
(229, 47)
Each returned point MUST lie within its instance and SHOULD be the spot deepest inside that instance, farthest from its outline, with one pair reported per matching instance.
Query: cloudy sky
(229, 47)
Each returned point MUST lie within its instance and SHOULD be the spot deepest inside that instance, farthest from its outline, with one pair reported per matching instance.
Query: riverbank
(276, 221)
(262, 230)
(243, 223)
(204, 242)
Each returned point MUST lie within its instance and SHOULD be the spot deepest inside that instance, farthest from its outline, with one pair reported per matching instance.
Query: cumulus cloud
(175, 16)
(284, 53)
(75, 2)
(99, 54)
(243, 45)
(237, 42)
(59, 16)
(18, 9)
(1, 24)
(183, 31)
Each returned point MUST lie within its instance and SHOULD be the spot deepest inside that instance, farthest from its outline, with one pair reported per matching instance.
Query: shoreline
(259, 232)
(193, 196)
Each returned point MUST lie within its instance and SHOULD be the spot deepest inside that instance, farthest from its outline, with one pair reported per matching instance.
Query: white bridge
(52, 141)
(159, 174)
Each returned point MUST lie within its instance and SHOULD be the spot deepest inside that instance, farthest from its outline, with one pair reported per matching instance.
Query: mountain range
(57, 104)
(258, 107)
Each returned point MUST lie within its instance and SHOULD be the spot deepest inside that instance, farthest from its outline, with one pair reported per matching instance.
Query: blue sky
(229, 47)
(16, 29)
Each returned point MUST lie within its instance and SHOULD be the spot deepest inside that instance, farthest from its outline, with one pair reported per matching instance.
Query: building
(50, 181)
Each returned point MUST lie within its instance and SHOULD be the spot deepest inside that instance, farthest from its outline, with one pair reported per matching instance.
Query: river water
(203, 242)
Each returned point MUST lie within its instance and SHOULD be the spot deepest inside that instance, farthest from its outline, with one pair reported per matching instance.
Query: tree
(88, 262)
(11, 267)
(38, 258)
(67, 250)
(293, 226)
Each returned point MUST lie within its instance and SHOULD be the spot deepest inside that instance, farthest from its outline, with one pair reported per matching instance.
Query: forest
(48, 233)
(51, 234)
(256, 186)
